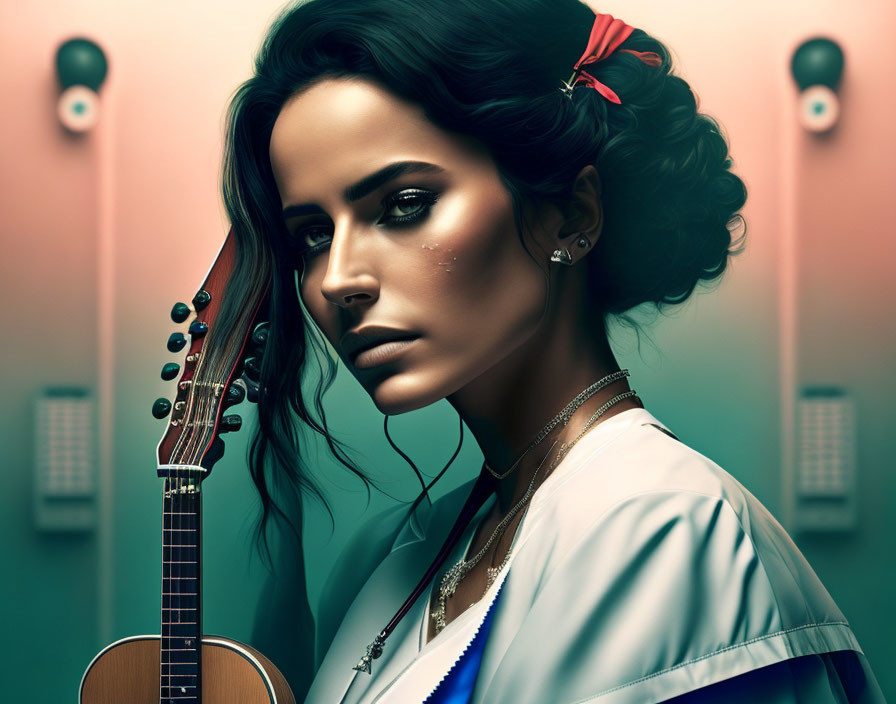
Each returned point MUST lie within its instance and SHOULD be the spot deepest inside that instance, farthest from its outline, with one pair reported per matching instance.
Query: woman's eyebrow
(368, 184)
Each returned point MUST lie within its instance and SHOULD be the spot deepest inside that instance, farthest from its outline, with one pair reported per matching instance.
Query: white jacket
(641, 571)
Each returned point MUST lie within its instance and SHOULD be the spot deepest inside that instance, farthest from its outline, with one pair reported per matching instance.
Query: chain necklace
(564, 415)
(463, 567)
(597, 414)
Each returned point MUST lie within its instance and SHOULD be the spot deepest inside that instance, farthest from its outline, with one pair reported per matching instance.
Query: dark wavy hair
(490, 69)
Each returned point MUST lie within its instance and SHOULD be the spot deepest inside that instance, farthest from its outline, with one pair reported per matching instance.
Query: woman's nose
(349, 277)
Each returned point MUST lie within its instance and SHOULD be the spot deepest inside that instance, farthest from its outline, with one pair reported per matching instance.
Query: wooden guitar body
(127, 672)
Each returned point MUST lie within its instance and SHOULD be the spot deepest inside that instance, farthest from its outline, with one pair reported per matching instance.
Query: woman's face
(429, 248)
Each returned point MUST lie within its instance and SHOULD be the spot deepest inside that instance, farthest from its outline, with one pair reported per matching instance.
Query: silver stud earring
(562, 256)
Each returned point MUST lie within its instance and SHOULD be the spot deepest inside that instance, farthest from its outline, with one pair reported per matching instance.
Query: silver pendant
(374, 650)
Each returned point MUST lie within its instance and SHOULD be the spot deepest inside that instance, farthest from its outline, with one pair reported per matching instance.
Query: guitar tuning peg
(198, 328)
(180, 312)
(236, 393)
(161, 408)
(170, 370)
(260, 334)
(231, 423)
(201, 299)
(176, 342)
(252, 369)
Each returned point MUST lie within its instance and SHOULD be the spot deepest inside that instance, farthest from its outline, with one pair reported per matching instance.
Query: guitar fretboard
(180, 674)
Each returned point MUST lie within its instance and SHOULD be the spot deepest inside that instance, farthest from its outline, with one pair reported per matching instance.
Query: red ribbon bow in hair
(607, 34)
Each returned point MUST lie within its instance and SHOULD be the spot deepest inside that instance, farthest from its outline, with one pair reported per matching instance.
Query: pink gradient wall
(101, 234)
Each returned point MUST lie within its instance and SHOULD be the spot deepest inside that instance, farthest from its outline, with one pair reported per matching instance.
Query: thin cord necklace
(463, 567)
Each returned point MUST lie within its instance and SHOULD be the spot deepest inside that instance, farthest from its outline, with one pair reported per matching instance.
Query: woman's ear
(584, 214)
(582, 218)
(573, 223)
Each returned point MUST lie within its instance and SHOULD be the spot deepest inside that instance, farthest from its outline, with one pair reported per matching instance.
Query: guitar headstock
(211, 380)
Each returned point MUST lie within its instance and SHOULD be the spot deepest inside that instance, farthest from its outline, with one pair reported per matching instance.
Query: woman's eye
(401, 208)
(308, 237)
(408, 205)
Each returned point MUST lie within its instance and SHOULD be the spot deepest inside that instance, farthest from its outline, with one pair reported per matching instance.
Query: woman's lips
(382, 353)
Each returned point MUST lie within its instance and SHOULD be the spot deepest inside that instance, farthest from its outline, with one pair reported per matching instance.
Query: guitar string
(183, 507)
(165, 570)
(179, 505)
(198, 428)
(170, 574)
(200, 405)
(199, 401)
(174, 573)
(184, 565)
(173, 583)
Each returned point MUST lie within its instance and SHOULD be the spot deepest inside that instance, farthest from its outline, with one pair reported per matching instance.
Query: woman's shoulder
(639, 464)
(635, 453)
(679, 572)
(645, 483)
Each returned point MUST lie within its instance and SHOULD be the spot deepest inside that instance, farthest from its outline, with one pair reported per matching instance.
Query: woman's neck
(508, 406)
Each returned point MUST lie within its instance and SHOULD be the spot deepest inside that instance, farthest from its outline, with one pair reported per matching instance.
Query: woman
(460, 217)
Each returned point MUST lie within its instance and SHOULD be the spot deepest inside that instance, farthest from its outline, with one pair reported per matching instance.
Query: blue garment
(457, 687)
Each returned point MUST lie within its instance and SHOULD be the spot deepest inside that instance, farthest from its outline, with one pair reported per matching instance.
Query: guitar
(182, 666)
